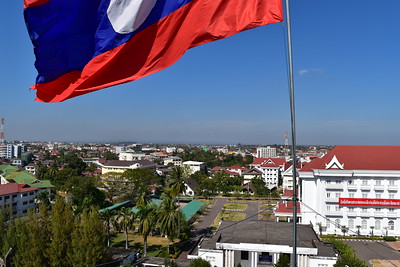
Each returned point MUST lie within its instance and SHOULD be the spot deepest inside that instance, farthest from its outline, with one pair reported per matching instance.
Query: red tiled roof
(287, 207)
(12, 188)
(273, 162)
(360, 158)
(288, 193)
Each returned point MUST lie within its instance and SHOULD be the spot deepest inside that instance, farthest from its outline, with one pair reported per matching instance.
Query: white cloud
(305, 71)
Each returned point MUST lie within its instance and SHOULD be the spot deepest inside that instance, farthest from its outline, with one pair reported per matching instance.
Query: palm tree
(143, 199)
(176, 185)
(319, 227)
(147, 222)
(344, 229)
(108, 216)
(125, 221)
(358, 229)
(169, 217)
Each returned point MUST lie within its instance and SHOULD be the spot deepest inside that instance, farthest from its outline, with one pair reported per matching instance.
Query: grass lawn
(154, 243)
(235, 206)
(229, 216)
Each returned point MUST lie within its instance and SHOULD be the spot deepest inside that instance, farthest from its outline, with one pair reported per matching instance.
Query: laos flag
(85, 45)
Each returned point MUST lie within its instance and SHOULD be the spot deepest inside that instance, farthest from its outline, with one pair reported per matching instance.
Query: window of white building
(364, 182)
(338, 181)
(328, 195)
(378, 182)
(378, 225)
(351, 195)
(364, 224)
(391, 182)
(351, 224)
(337, 195)
(378, 195)
(391, 225)
(328, 181)
(351, 209)
(364, 195)
(328, 223)
(391, 196)
(337, 223)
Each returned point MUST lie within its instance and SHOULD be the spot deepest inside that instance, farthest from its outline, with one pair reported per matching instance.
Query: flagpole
(293, 128)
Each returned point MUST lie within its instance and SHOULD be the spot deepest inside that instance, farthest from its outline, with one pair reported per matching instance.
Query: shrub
(390, 238)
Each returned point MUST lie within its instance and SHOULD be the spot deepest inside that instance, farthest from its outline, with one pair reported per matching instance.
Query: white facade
(194, 166)
(287, 179)
(229, 251)
(352, 201)
(129, 156)
(266, 152)
(19, 197)
(177, 161)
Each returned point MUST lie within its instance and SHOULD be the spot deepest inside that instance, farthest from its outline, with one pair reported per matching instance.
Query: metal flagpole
(293, 126)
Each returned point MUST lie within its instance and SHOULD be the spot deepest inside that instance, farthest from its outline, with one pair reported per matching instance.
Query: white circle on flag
(126, 16)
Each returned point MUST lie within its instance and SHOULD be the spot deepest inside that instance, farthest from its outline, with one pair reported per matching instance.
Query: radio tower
(2, 131)
(286, 144)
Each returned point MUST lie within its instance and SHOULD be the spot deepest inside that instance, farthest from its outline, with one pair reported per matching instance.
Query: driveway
(374, 252)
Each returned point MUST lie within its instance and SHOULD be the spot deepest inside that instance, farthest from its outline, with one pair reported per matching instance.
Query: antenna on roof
(2, 131)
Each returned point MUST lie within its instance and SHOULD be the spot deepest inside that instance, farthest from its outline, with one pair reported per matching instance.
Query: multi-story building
(14, 151)
(194, 166)
(18, 197)
(266, 152)
(177, 161)
(353, 190)
(121, 165)
(271, 169)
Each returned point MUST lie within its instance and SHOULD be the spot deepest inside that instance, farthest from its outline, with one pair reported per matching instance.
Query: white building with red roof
(19, 197)
(271, 169)
(355, 189)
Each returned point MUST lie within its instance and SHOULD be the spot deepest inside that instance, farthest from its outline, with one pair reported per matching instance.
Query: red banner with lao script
(369, 202)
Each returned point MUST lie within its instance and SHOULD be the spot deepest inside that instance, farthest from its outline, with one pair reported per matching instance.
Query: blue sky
(346, 63)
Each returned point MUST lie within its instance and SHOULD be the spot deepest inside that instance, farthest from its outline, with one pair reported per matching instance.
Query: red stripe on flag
(32, 3)
(162, 44)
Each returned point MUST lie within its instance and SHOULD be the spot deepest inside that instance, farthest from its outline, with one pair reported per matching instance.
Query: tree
(259, 187)
(372, 230)
(344, 229)
(147, 222)
(125, 222)
(358, 230)
(108, 155)
(62, 225)
(319, 227)
(199, 262)
(283, 261)
(87, 240)
(107, 217)
(176, 181)
(169, 217)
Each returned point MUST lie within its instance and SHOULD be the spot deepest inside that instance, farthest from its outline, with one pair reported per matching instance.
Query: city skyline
(231, 91)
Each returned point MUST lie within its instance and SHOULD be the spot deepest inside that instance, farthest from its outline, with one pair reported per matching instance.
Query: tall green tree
(147, 222)
(107, 217)
(169, 217)
(62, 225)
(88, 240)
(125, 222)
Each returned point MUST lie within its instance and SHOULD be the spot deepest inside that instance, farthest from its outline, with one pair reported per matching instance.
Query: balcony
(365, 214)
(365, 187)
(334, 213)
(393, 187)
(332, 199)
(334, 186)
(351, 187)
(351, 214)
(379, 187)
